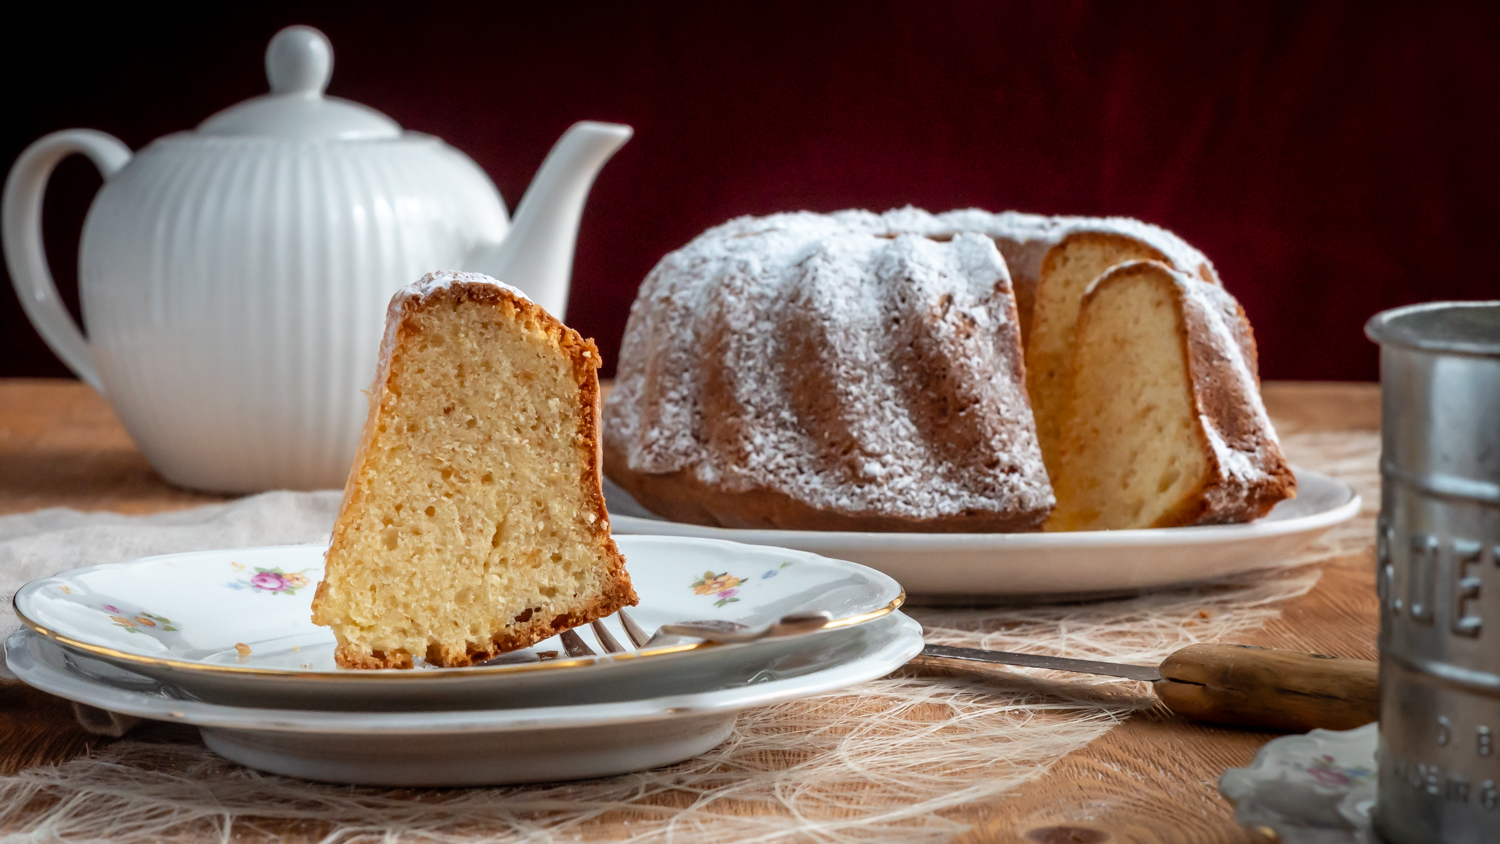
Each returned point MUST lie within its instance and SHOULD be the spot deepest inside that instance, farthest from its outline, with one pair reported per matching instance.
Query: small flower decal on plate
(722, 585)
(272, 580)
(770, 573)
(138, 622)
(1327, 771)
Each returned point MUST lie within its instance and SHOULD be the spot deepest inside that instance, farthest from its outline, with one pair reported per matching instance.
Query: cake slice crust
(473, 520)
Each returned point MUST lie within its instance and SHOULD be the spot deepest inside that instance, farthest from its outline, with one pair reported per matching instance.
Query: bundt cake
(829, 372)
(473, 521)
(1164, 423)
(857, 371)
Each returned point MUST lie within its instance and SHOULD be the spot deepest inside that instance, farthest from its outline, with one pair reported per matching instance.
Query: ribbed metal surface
(1438, 552)
(236, 304)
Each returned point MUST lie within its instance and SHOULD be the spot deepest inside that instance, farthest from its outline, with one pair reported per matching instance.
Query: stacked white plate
(223, 640)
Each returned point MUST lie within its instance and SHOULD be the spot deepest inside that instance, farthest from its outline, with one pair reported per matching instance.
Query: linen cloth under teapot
(234, 277)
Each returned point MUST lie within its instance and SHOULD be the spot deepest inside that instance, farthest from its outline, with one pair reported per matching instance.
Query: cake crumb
(242, 649)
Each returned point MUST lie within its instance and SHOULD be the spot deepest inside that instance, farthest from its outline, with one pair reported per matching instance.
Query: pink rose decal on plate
(1326, 770)
(271, 581)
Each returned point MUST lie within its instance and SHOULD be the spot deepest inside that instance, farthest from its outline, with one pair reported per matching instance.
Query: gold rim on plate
(404, 673)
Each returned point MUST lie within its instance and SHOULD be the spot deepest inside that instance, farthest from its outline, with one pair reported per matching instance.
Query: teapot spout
(537, 254)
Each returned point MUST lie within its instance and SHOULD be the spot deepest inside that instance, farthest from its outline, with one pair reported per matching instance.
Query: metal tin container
(1438, 550)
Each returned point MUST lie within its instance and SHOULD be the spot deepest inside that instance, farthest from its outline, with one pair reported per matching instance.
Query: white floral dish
(235, 627)
(997, 567)
(1317, 788)
(482, 747)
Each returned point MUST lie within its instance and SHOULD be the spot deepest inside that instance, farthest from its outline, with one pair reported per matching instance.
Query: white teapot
(234, 278)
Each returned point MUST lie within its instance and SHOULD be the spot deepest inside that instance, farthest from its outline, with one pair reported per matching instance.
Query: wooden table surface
(1151, 779)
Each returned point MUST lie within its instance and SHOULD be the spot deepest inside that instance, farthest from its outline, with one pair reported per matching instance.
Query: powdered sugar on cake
(1025, 238)
(421, 289)
(444, 279)
(845, 360)
(1235, 421)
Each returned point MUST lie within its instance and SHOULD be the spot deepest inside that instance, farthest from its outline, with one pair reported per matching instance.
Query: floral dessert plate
(235, 627)
(999, 567)
(1317, 788)
(483, 746)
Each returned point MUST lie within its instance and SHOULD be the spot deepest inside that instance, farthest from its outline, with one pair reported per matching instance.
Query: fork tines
(606, 639)
(633, 630)
(574, 644)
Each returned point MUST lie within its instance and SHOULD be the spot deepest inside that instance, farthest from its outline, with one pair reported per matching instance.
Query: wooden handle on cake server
(1246, 686)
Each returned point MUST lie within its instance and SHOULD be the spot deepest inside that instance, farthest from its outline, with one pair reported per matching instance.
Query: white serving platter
(976, 568)
(482, 747)
(179, 618)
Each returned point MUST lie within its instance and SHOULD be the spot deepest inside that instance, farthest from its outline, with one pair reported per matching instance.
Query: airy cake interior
(473, 523)
(1130, 453)
(1067, 271)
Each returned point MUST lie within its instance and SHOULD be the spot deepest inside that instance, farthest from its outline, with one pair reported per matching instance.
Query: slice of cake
(1067, 270)
(1165, 425)
(473, 521)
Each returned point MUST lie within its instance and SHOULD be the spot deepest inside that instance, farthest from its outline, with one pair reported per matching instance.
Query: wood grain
(1245, 685)
(1155, 778)
(1152, 779)
(62, 446)
(37, 729)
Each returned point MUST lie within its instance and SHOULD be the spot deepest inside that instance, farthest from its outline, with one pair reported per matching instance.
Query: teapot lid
(299, 63)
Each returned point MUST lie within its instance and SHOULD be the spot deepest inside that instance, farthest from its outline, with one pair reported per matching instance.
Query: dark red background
(1332, 159)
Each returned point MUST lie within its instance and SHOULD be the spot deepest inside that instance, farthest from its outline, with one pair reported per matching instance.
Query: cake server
(1237, 685)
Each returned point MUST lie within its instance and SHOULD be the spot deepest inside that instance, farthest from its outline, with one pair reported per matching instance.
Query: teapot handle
(21, 225)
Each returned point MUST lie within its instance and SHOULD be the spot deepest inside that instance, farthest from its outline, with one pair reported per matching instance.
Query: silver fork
(710, 631)
(576, 647)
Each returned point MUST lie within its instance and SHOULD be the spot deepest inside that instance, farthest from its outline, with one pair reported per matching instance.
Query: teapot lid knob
(299, 63)
(299, 60)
